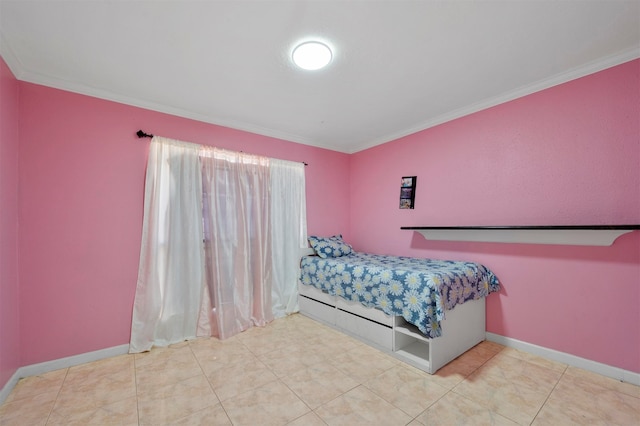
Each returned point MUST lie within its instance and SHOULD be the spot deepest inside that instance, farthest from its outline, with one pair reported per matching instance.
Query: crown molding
(10, 58)
(22, 74)
(82, 89)
(573, 74)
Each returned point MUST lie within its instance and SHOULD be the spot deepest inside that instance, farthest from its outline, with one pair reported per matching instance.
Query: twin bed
(402, 305)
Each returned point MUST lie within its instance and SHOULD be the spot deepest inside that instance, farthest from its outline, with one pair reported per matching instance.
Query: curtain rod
(141, 134)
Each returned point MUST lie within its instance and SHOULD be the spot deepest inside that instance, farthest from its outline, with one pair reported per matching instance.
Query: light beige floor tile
(91, 402)
(174, 366)
(285, 321)
(122, 412)
(106, 365)
(158, 354)
(325, 350)
(288, 360)
(308, 336)
(454, 409)
(266, 343)
(173, 402)
(514, 399)
(105, 381)
(360, 406)
(29, 410)
(271, 404)
(455, 372)
(89, 388)
(580, 402)
(337, 342)
(522, 372)
(214, 354)
(319, 383)
(316, 364)
(363, 363)
(460, 368)
(318, 332)
(274, 329)
(534, 359)
(298, 323)
(587, 377)
(487, 349)
(239, 378)
(34, 385)
(407, 390)
(268, 330)
(209, 416)
(309, 419)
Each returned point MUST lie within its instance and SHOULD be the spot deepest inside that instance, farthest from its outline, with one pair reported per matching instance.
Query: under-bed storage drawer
(317, 310)
(313, 293)
(378, 334)
(370, 313)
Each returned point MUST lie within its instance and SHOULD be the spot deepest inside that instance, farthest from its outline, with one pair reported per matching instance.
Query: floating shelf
(582, 235)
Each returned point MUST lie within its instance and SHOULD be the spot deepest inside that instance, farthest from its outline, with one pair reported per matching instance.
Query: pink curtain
(238, 254)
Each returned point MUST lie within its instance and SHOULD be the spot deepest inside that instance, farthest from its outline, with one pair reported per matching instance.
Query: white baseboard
(8, 387)
(565, 358)
(57, 364)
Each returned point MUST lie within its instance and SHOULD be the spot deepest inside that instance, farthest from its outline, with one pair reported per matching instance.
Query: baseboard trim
(57, 364)
(565, 358)
(8, 387)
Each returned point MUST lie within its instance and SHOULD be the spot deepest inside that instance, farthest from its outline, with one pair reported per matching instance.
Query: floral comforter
(420, 290)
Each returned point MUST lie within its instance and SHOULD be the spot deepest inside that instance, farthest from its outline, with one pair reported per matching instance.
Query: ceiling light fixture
(312, 55)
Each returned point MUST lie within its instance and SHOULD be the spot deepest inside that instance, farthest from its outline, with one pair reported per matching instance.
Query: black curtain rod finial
(142, 134)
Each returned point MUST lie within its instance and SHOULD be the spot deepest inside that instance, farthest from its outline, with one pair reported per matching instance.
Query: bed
(423, 311)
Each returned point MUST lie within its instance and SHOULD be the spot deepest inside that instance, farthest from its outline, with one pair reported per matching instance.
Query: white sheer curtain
(221, 237)
(289, 233)
(169, 290)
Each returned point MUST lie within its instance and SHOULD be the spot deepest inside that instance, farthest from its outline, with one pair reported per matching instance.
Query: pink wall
(9, 312)
(82, 183)
(566, 155)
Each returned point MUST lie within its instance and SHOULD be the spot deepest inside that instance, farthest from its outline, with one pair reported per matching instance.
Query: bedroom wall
(567, 155)
(82, 181)
(9, 312)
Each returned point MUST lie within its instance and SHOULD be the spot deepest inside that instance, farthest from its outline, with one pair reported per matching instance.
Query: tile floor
(296, 371)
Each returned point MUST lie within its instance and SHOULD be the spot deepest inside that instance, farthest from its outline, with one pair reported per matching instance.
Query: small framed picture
(407, 192)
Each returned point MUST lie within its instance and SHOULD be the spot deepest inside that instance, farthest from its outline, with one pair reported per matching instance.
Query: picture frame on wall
(408, 192)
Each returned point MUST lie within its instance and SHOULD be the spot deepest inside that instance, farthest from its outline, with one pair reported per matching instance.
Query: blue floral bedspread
(420, 290)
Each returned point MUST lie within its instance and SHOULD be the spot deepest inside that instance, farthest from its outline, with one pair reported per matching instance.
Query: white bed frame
(462, 329)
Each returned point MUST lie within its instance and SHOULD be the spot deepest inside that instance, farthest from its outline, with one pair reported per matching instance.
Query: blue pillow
(330, 246)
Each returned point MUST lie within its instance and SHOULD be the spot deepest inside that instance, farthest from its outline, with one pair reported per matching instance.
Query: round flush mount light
(312, 55)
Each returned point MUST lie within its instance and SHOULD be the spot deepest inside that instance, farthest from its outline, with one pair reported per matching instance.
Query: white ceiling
(398, 66)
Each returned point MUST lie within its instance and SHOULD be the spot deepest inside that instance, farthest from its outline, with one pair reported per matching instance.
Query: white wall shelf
(582, 235)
